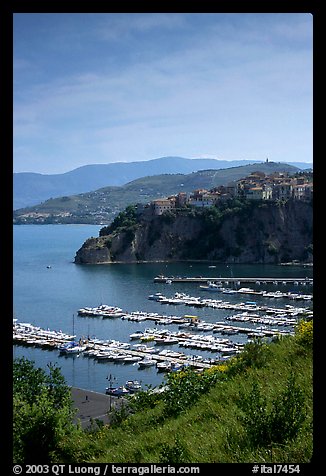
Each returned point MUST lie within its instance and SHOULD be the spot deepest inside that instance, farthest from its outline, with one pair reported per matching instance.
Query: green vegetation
(43, 414)
(257, 407)
(124, 221)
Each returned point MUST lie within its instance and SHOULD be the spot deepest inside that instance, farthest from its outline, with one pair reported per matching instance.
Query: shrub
(184, 388)
(255, 354)
(276, 422)
(304, 333)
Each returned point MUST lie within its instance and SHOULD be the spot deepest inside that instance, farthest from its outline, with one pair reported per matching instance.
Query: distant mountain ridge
(102, 205)
(33, 188)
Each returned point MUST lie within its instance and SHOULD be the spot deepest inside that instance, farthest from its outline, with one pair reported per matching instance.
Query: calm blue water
(50, 297)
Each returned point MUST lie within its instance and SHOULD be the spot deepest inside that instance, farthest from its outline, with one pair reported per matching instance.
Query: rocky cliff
(253, 233)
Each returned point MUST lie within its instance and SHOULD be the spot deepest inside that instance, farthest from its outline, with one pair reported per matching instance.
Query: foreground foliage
(43, 413)
(257, 407)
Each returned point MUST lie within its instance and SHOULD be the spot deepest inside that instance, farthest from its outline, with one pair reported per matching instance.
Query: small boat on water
(105, 355)
(146, 362)
(133, 385)
(166, 340)
(117, 391)
(131, 359)
(155, 297)
(164, 366)
(119, 357)
(229, 291)
(71, 348)
(136, 335)
(213, 287)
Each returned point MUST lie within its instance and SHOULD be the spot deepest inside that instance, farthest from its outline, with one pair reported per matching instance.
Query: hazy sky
(100, 88)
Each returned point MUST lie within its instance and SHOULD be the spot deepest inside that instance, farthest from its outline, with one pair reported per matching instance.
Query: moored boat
(133, 385)
(146, 362)
(117, 391)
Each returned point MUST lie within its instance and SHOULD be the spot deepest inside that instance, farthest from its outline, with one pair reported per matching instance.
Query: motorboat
(164, 366)
(133, 385)
(213, 287)
(131, 359)
(166, 340)
(71, 348)
(229, 291)
(155, 297)
(119, 357)
(136, 335)
(146, 362)
(117, 391)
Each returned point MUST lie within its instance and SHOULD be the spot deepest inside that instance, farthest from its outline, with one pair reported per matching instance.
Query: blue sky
(101, 88)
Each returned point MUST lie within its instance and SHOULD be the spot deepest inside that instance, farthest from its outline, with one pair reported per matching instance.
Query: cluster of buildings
(256, 186)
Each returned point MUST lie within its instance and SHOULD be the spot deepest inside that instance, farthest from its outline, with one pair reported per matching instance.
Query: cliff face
(263, 233)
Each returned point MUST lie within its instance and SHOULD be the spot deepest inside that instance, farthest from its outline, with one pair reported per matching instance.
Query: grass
(213, 429)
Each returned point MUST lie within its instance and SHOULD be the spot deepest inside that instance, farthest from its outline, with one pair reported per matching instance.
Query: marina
(26, 334)
(232, 280)
(198, 302)
(193, 333)
(47, 298)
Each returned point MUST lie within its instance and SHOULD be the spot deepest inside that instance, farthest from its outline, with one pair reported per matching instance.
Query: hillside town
(256, 186)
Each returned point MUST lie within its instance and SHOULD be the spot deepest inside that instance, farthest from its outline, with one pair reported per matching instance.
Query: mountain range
(33, 188)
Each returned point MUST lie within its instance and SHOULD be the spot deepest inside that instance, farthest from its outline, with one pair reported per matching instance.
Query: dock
(233, 280)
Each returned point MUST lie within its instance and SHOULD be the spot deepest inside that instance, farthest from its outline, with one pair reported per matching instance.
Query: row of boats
(106, 311)
(218, 287)
(130, 387)
(186, 299)
(139, 354)
(113, 350)
(265, 322)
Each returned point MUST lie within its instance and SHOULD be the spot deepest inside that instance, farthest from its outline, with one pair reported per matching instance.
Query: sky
(95, 88)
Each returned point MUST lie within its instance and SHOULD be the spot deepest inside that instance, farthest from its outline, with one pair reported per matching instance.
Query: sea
(49, 288)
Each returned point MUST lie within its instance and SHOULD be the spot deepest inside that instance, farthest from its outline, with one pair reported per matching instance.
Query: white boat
(119, 357)
(144, 348)
(131, 359)
(167, 340)
(105, 355)
(212, 287)
(118, 391)
(155, 297)
(164, 366)
(136, 335)
(71, 348)
(146, 362)
(133, 385)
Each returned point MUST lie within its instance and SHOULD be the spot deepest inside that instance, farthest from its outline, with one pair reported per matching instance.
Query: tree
(42, 412)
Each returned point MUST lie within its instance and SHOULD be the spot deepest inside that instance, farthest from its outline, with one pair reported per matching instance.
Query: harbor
(235, 281)
(106, 311)
(155, 347)
(49, 297)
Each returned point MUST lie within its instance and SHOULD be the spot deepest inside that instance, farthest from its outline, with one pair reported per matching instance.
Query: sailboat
(72, 347)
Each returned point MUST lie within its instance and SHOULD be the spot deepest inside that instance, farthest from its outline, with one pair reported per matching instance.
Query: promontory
(234, 232)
